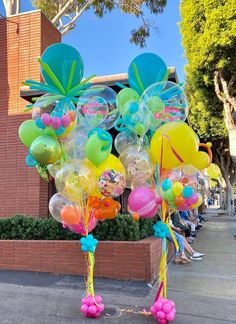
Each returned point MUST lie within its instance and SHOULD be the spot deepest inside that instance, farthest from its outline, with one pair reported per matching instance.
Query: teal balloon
(151, 69)
(45, 149)
(187, 192)
(166, 184)
(60, 57)
(28, 132)
(98, 146)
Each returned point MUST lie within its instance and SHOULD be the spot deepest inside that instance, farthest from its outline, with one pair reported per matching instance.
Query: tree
(64, 13)
(208, 29)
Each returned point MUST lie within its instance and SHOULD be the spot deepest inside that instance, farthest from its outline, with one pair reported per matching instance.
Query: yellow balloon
(68, 130)
(111, 163)
(198, 203)
(201, 160)
(177, 188)
(178, 139)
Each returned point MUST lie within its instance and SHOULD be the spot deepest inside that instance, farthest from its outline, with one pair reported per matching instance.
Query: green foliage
(122, 228)
(101, 7)
(208, 28)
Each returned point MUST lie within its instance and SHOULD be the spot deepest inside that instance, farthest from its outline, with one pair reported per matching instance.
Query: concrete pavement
(204, 292)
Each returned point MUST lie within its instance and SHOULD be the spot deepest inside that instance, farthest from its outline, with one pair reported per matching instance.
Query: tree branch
(63, 11)
(70, 25)
(230, 99)
(217, 86)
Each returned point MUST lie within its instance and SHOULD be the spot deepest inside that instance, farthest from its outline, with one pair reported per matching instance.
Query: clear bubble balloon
(125, 139)
(76, 180)
(179, 187)
(44, 104)
(143, 181)
(93, 107)
(136, 162)
(74, 145)
(56, 204)
(54, 168)
(165, 102)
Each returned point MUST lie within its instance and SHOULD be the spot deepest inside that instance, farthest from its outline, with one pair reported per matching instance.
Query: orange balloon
(108, 209)
(70, 215)
(179, 201)
(136, 216)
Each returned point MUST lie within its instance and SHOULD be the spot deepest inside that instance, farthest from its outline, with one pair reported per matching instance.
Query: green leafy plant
(122, 228)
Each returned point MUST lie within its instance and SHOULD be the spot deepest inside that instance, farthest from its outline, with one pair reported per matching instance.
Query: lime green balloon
(46, 149)
(177, 188)
(97, 150)
(155, 104)
(124, 96)
(169, 195)
(28, 132)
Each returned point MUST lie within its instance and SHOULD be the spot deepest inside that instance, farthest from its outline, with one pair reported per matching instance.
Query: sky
(104, 43)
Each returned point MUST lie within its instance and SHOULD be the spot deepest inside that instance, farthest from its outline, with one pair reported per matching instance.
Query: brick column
(23, 39)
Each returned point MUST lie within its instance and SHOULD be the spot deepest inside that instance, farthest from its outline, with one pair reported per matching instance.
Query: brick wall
(23, 38)
(119, 260)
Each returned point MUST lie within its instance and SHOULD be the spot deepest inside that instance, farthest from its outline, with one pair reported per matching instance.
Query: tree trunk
(232, 144)
(229, 198)
(12, 7)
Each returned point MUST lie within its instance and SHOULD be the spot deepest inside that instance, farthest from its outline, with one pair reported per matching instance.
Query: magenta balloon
(46, 119)
(80, 229)
(170, 316)
(142, 200)
(192, 199)
(150, 214)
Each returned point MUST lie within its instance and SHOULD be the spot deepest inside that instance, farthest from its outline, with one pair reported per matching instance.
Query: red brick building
(23, 38)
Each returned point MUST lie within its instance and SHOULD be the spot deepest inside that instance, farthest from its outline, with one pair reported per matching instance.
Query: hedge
(122, 228)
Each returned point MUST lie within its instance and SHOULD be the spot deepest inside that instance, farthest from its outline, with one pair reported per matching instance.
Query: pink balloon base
(92, 307)
(163, 310)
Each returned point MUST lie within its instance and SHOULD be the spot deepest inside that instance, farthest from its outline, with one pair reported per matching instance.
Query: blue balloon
(187, 192)
(150, 68)
(60, 57)
(166, 184)
(39, 123)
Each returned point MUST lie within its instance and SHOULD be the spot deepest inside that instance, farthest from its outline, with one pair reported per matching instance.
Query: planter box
(119, 260)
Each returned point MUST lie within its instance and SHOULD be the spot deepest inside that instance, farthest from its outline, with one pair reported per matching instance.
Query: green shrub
(122, 228)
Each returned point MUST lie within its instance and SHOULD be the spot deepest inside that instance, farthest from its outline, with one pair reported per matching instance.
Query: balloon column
(157, 153)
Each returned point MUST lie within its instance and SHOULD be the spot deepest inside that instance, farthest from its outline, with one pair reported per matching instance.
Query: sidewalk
(204, 292)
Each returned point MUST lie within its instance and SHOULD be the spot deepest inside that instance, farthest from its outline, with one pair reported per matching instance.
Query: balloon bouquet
(158, 154)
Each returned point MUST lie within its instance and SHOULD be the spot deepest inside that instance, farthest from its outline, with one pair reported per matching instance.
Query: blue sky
(104, 43)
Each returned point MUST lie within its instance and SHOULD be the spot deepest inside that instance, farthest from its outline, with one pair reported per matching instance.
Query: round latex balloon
(93, 107)
(165, 102)
(201, 160)
(179, 187)
(124, 139)
(143, 201)
(98, 146)
(28, 132)
(112, 183)
(46, 149)
(174, 144)
(56, 204)
(86, 223)
(125, 95)
(111, 163)
(144, 70)
(137, 162)
(60, 57)
(76, 180)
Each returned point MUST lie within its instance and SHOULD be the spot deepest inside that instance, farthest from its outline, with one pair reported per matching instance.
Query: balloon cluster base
(92, 307)
(163, 310)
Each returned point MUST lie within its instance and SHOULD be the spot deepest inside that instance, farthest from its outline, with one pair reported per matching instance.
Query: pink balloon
(172, 304)
(90, 301)
(46, 119)
(80, 228)
(98, 299)
(84, 301)
(192, 199)
(56, 122)
(151, 214)
(66, 120)
(101, 308)
(159, 200)
(92, 309)
(162, 321)
(167, 308)
(84, 309)
(153, 310)
(161, 315)
(158, 305)
(170, 316)
(142, 200)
